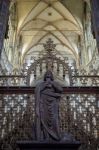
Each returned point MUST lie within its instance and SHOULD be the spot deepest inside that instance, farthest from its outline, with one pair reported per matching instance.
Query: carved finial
(49, 46)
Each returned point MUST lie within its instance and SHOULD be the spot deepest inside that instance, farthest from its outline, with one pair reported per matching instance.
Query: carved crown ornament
(49, 46)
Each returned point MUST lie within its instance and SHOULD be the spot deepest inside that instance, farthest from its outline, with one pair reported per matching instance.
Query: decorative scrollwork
(78, 115)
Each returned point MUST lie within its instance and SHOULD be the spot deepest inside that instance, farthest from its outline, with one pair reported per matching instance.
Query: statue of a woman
(47, 96)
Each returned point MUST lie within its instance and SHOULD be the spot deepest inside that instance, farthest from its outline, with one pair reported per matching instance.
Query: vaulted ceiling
(60, 20)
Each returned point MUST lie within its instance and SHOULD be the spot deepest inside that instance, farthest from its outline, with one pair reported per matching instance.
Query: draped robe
(47, 111)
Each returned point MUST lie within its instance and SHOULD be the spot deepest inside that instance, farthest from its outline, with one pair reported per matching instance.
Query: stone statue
(47, 96)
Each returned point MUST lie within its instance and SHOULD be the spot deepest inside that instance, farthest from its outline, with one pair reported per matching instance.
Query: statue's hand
(48, 84)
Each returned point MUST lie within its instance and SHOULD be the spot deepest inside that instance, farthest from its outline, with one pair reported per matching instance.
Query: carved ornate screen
(78, 115)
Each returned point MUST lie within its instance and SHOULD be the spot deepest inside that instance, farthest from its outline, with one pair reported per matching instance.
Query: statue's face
(49, 76)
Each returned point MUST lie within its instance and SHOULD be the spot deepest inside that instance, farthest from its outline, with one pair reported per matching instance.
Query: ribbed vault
(39, 20)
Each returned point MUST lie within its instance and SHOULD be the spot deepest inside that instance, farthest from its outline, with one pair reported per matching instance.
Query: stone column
(4, 14)
(95, 20)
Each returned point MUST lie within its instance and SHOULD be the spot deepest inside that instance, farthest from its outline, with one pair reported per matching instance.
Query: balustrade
(78, 113)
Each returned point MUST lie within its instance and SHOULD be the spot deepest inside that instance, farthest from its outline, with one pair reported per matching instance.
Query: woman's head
(48, 74)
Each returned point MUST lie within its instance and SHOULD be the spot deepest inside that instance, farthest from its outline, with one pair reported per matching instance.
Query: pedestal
(30, 145)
